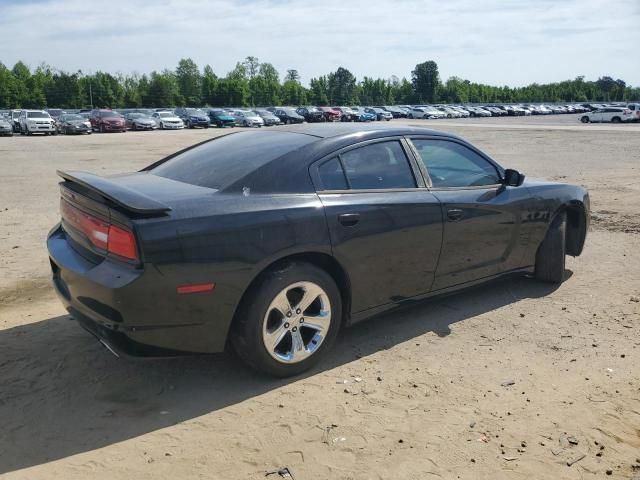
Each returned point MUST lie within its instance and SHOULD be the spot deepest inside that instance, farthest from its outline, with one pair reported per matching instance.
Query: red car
(331, 114)
(107, 121)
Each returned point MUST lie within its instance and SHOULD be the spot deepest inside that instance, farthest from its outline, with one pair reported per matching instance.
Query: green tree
(189, 82)
(163, 90)
(209, 86)
(426, 81)
(293, 93)
(341, 87)
(319, 91)
(292, 74)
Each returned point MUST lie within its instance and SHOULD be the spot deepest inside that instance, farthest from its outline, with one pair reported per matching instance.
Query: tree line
(255, 83)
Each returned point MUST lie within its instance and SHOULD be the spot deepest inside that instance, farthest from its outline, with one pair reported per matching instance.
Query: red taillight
(103, 235)
(122, 242)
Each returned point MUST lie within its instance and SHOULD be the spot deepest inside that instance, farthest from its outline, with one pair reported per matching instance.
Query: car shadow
(62, 393)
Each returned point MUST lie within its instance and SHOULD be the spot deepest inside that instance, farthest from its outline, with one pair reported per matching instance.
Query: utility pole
(90, 94)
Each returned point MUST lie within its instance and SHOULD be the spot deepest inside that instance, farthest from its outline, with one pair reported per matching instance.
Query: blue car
(193, 117)
(364, 116)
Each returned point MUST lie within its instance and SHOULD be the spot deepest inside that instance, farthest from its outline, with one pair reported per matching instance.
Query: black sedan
(311, 114)
(72, 123)
(288, 115)
(271, 241)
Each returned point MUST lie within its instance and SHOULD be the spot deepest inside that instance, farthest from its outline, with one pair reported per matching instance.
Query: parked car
(268, 117)
(348, 114)
(221, 118)
(379, 113)
(70, 123)
(635, 110)
(55, 112)
(311, 114)
(140, 121)
(464, 113)
(193, 117)
(495, 110)
(249, 239)
(6, 127)
(107, 121)
(330, 114)
(288, 115)
(608, 114)
(36, 121)
(363, 115)
(397, 112)
(167, 120)
(247, 118)
(450, 112)
(477, 112)
(14, 118)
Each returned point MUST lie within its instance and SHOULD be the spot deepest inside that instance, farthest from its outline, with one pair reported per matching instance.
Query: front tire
(288, 321)
(550, 258)
(615, 120)
(584, 119)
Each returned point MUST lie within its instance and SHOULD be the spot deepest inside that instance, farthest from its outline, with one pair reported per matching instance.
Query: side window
(453, 165)
(378, 165)
(332, 175)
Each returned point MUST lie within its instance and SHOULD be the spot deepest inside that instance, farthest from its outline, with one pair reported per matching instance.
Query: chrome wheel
(297, 322)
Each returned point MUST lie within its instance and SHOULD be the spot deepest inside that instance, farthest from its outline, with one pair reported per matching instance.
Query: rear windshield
(227, 159)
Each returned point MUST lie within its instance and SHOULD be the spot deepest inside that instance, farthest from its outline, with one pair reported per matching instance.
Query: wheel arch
(321, 260)
(577, 225)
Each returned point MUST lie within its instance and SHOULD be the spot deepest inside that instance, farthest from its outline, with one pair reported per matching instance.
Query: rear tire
(550, 258)
(257, 318)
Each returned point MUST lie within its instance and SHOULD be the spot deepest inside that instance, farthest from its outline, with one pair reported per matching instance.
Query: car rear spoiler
(121, 196)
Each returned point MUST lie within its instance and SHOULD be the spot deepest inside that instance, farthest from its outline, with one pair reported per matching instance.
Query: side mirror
(513, 178)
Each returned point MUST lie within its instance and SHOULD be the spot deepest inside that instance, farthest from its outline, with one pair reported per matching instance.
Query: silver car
(140, 121)
(6, 129)
(247, 118)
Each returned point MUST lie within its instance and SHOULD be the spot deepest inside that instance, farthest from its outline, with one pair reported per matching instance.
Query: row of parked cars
(54, 121)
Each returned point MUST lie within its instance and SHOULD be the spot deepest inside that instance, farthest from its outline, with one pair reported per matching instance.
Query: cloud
(512, 42)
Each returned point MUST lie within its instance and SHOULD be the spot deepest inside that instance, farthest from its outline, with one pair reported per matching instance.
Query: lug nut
(288, 314)
(298, 311)
(294, 329)
(286, 325)
(302, 320)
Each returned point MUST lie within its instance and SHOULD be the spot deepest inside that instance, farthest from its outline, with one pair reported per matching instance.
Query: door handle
(455, 214)
(349, 219)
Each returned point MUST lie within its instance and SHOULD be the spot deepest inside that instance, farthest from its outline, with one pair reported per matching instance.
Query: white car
(450, 112)
(247, 118)
(168, 121)
(37, 121)
(635, 109)
(608, 114)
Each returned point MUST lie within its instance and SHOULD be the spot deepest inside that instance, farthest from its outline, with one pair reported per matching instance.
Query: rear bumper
(134, 311)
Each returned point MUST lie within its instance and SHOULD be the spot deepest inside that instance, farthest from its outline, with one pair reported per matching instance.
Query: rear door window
(332, 175)
(378, 165)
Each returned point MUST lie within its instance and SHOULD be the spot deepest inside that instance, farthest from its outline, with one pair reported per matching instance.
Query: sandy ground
(423, 392)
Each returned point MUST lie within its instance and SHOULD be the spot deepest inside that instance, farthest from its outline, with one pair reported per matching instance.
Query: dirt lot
(424, 392)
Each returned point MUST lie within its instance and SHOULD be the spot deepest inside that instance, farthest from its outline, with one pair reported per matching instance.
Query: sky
(499, 42)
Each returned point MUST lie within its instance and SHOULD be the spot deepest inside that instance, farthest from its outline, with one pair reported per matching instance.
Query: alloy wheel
(296, 322)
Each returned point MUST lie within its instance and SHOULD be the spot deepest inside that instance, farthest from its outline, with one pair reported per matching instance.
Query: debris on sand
(575, 460)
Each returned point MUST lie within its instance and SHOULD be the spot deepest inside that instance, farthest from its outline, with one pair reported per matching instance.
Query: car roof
(329, 130)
